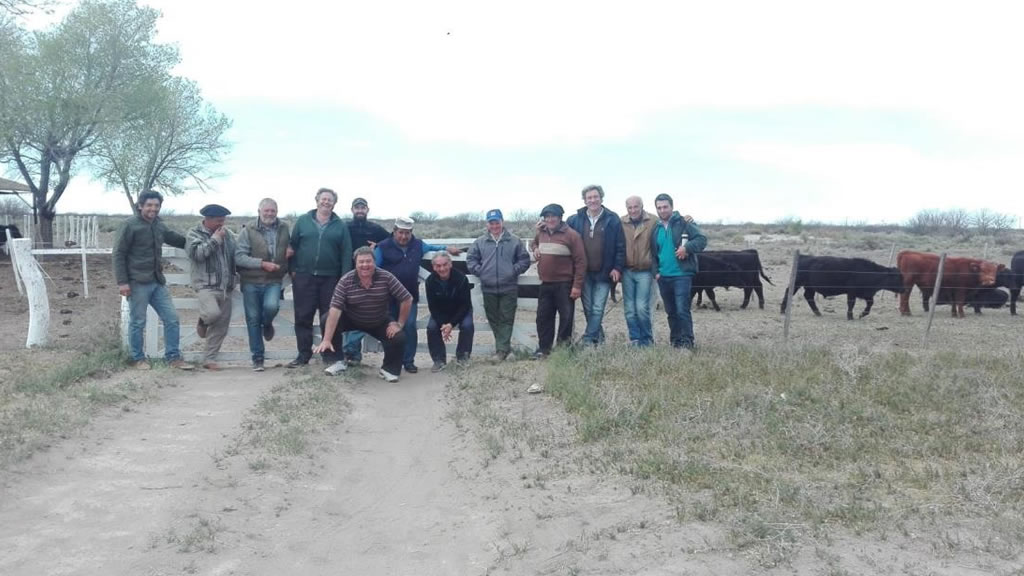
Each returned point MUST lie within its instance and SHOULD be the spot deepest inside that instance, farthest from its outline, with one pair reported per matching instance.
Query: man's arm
(465, 301)
(333, 317)
(200, 247)
(242, 251)
(579, 262)
(522, 263)
(432, 301)
(697, 242)
(473, 258)
(172, 238)
(346, 250)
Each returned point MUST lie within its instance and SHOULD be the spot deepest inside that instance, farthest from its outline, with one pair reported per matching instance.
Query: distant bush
(423, 217)
(13, 207)
(790, 225)
(959, 222)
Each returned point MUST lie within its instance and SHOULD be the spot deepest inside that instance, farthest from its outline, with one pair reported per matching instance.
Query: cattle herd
(964, 282)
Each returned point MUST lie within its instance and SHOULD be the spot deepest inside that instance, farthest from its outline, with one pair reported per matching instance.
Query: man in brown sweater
(561, 263)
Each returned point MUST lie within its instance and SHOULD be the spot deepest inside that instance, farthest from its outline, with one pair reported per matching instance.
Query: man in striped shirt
(360, 302)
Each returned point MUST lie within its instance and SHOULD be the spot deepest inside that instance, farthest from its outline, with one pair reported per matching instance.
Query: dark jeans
(393, 347)
(675, 295)
(262, 302)
(312, 294)
(501, 316)
(554, 297)
(438, 352)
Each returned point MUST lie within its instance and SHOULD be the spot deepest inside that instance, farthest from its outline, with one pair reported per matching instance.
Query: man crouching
(360, 302)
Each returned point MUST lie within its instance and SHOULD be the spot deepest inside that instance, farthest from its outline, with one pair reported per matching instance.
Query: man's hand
(289, 252)
(575, 293)
(681, 252)
(452, 250)
(393, 328)
(615, 276)
(219, 234)
(125, 289)
(371, 244)
(324, 346)
(269, 266)
(687, 218)
(446, 332)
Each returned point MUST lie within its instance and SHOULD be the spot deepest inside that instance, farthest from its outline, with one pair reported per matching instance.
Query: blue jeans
(595, 296)
(261, 301)
(144, 295)
(675, 294)
(636, 300)
(353, 349)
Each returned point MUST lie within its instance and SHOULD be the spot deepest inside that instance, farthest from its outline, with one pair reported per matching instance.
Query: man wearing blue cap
(498, 258)
(211, 249)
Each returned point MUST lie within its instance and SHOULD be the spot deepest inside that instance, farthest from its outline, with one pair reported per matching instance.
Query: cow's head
(986, 272)
(1005, 278)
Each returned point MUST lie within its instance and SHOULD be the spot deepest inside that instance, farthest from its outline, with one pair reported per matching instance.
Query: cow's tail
(763, 275)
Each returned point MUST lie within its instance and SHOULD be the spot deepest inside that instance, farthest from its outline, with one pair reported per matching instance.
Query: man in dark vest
(261, 261)
(401, 255)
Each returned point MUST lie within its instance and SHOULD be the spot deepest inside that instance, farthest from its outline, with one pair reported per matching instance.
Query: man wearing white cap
(401, 255)
(497, 258)
(211, 249)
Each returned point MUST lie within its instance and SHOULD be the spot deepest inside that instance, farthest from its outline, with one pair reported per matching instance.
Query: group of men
(359, 279)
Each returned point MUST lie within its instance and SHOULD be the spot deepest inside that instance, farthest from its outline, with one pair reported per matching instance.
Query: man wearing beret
(561, 264)
(211, 249)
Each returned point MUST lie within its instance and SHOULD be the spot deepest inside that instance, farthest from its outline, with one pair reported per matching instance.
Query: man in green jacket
(137, 262)
(674, 247)
(320, 253)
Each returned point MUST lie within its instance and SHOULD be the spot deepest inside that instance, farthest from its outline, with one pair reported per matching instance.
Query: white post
(14, 262)
(789, 294)
(35, 286)
(85, 267)
(125, 323)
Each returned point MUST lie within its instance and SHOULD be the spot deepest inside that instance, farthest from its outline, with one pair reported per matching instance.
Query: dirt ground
(406, 484)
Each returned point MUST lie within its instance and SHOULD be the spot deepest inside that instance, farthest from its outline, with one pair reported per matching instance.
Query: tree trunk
(45, 227)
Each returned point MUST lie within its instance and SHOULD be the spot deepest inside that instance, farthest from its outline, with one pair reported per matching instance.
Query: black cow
(980, 298)
(730, 268)
(855, 277)
(15, 233)
(1017, 275)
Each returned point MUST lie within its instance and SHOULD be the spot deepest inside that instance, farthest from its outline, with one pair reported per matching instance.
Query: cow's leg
(925, 296)
(1014, 294)
(760, 296)
(809, 296)
(851, 301)
(746, 298)
(905, 300)
(867, 309)
(711, 296)
(700, 296)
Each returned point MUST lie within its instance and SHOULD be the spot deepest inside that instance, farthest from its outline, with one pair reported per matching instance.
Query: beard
(359, 217)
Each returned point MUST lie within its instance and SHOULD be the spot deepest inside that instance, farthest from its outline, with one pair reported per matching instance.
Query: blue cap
(493, 215)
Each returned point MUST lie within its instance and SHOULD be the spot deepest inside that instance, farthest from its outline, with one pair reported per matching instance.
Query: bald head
(634, 207)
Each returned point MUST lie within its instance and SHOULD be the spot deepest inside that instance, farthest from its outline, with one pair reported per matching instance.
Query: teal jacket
(695, 242)
(320, 251)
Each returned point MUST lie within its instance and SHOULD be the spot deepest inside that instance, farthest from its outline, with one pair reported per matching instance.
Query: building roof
(12, 187)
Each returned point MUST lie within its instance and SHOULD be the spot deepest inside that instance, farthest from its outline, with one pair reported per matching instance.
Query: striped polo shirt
(368, 306)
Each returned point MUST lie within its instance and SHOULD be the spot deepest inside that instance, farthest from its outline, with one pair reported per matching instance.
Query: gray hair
(443, 255)
(362, 250)
(600, 191)
(267, 202)
(327, 191)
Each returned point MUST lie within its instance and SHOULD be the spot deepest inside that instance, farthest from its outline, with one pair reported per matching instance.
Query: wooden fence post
(935, 298)
(35, 287)
(789, 294)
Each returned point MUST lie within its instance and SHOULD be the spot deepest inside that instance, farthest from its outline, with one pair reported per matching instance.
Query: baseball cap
(494, 215)
(404, 223)
(358, 201)
(553, 209)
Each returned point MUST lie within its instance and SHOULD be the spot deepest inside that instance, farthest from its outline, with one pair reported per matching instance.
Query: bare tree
(61, 89)
(23, 7)
(171, 137)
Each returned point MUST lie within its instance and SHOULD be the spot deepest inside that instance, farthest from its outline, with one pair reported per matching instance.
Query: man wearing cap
(497, 258)
(364, 233)
(401, 255)
(140, 279)
(321, 252)
(262, 263)
(211, 249)
(605, 244)
(561, 264)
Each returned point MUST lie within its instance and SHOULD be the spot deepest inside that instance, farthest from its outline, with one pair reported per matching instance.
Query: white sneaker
(387, 376)
(336, 368)
(535, 388)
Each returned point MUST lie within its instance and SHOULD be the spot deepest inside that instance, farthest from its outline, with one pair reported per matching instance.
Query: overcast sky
(742, 111)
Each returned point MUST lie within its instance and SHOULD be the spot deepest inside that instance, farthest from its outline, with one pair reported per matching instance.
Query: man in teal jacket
(320, 253)
(674, 247)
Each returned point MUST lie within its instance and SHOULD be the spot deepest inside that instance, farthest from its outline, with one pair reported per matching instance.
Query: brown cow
(959, 276)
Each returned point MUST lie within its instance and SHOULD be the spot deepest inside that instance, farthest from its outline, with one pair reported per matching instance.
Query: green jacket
(696, 242)
(253, 250)
(138, 246)
(319, 251)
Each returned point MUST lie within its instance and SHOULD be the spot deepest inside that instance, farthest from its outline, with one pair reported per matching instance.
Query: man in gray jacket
(211, 249)
(498, 258)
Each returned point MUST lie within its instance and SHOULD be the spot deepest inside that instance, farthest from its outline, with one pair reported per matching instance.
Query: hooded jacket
(695, 242)
(499, 264)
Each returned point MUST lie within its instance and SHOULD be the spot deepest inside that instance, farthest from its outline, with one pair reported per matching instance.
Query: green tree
(169, 136)
(62, 88)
